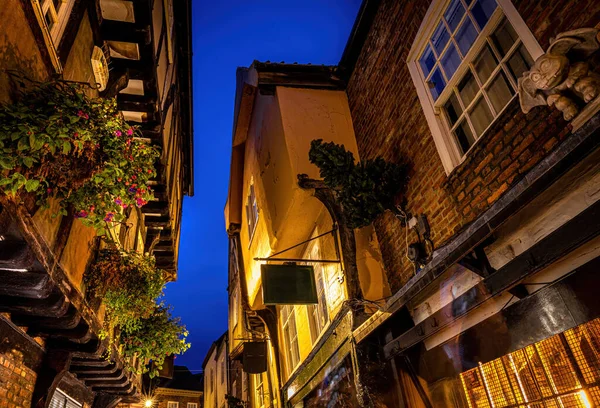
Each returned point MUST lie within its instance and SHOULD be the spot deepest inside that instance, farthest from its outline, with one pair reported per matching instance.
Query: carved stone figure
(562, 77)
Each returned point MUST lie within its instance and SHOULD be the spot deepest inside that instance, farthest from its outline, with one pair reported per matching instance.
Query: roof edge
(358, 36)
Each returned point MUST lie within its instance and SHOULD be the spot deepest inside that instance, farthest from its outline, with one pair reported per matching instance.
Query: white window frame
(289, 340)
(63, 400)
(252, 212)
(314, 311)
(192, 405)
(259, 391)
(444, 141)
(172, 404)
(60, 18)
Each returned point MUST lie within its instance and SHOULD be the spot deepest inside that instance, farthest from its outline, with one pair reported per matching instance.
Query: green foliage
(365, 189)
(127, 282)
(233, 402)
(130, 285)
(58, 142)
(155, 337)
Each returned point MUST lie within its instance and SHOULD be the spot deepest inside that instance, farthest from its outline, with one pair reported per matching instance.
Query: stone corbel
(563, 78)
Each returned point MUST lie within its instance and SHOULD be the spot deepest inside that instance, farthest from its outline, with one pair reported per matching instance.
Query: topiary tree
(364, 189)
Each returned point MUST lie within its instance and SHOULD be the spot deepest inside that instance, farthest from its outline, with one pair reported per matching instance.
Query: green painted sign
(289, 285)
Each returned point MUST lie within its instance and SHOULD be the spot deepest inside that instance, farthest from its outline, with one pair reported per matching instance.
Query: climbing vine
(365, 189)
(57, 142)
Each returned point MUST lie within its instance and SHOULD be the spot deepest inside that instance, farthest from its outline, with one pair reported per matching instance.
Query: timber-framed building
(51, 350)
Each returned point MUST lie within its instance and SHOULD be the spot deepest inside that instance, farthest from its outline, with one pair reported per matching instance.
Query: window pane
(453, 109)
(482, 11)
(454, 13)
(468, 88)
(520, 62)
(485, 64)
(436, 84)
(499, 92)
(450, 61)
(481, 116)
(427, 61)
(504, 37)
(465, 36)
(49, 19)
(464, 137)
(440, 38)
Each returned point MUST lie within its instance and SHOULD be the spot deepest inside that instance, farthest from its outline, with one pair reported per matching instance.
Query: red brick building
(502, 311)
(52, 352)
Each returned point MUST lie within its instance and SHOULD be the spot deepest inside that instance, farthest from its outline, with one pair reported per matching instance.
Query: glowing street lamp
(148, 403)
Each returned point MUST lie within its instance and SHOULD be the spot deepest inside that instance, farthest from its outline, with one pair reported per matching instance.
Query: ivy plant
(365, 189)
(56, 141)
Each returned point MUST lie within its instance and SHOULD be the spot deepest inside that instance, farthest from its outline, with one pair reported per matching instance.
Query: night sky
(228, 34)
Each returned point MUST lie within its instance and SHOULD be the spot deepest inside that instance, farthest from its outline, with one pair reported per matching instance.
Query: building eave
(358, 36)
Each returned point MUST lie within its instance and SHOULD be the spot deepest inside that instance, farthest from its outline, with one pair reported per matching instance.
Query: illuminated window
(56, 14)
(317, 314)
(259, 391)
(222, 371)
(288, 319)
(465, 64)
(234, 306)
(172, 404)
(192, 405)
(561, 371)
(251, 212)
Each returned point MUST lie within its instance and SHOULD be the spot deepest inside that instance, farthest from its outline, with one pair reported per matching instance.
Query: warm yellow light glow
(148, 403)
(584, 399)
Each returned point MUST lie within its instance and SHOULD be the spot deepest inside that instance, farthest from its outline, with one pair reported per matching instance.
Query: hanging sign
(288, 285)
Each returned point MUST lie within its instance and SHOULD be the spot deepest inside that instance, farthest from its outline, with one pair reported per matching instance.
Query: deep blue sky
(228, 34)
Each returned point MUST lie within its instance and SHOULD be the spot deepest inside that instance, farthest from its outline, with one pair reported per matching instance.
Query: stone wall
(389, 121)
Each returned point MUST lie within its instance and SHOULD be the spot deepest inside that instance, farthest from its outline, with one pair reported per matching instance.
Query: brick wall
(389, 121)
(16, 381)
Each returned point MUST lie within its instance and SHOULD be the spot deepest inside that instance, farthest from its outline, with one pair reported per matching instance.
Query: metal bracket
(333, 232)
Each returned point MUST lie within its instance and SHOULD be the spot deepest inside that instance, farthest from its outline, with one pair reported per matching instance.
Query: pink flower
(118, 133)
(82, 114)
(140, 202)
(109, 216)
(118, 201)
(129, 131)
(81, 214)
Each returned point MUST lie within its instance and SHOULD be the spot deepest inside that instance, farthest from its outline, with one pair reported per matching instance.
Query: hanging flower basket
(130, 285)
(58, 142)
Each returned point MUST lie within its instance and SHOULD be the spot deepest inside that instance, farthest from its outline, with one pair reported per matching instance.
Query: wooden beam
(570, 236)
(113, 30)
